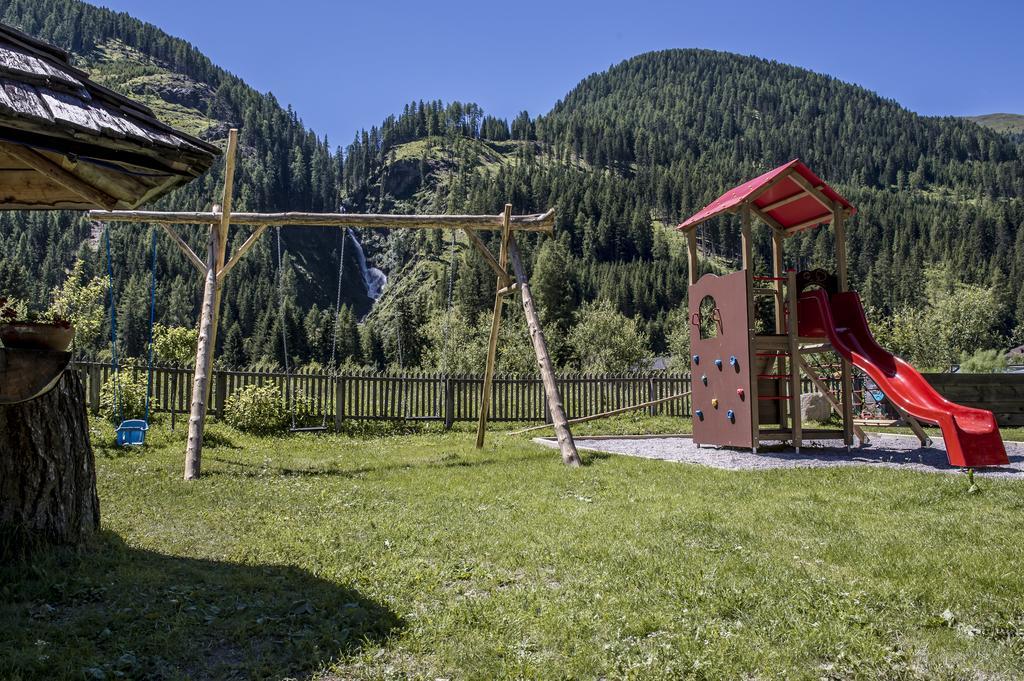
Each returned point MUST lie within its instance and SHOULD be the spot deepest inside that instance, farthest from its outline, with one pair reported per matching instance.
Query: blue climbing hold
(730, 415)
(733, 361)
(699, 414)
(718, 363)
(696, 359)
(704, 379)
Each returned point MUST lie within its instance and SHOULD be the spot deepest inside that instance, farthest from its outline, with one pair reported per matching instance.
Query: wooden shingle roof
(68, 142)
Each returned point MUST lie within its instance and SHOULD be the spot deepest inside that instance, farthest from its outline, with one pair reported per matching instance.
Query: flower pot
(37, 335)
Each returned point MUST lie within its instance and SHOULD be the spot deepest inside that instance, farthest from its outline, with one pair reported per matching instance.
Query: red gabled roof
(773, 189)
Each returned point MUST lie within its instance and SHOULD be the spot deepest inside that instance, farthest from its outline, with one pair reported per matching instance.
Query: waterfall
(372, 277)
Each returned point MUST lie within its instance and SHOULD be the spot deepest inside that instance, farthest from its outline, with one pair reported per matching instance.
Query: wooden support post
(222, 231)
(793, 331)
(492, 343)
(752, 360)
(570, 457)
(691, 254)
(839, 227)
(778, 273)
(778, 252)
(204, 352)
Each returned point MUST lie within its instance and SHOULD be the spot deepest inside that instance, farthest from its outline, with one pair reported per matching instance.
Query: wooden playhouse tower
(745, 375)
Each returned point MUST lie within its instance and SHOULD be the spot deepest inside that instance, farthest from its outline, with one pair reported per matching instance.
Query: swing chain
(337, 300)
(114, 364)
(284, 330)
(446, 358)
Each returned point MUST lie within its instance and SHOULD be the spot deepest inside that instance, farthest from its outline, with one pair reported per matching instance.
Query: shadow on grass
(255, 469)
(111, 611)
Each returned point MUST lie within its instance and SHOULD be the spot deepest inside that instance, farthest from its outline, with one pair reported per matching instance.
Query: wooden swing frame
(216, 267)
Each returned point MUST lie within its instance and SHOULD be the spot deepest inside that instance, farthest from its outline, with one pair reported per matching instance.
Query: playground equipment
(131, 432)
(746, 387)
(217, 265)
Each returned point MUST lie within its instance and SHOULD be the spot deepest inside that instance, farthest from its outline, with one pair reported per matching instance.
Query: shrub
(257, 409)
(983, 362)
(175, 344)
(131, 394)
(606, 341)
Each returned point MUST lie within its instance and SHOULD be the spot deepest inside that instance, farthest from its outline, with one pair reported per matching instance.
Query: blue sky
(346, 65)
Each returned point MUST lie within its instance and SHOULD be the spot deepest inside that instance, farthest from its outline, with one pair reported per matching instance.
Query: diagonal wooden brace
(242, 250)
(186, 249)
(481, 247)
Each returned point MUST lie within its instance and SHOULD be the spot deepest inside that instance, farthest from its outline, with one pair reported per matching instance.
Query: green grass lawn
(418, 556)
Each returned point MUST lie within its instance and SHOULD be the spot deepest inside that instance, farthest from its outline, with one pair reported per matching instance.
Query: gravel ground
(891, 451)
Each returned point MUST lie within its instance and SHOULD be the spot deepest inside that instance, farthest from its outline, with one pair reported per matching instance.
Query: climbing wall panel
(719, 348)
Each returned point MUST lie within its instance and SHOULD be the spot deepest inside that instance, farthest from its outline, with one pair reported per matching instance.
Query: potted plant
(33, 334)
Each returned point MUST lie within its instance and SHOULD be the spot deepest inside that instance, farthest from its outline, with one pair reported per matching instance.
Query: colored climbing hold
(730, 415)
(714, 402)
(733, 362)
(704, 379)
(740, 392)
(699, 414)
(718, 363)
(696, 359)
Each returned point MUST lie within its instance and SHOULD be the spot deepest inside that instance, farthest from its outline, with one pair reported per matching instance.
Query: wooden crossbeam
(783, 202)
(186, 249)
(768, 219)
(56, 173)
(827, 217)
(541, 222)
(242, 250)
(810, 189)
(489, 258)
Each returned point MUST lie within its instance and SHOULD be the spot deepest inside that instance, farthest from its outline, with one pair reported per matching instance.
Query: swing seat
(132, 433)
(308, 429)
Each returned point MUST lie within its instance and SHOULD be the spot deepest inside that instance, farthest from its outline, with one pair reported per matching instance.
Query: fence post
(339, 402)
(547, 412)
(221, 388)
(94, 388)
(449, 403)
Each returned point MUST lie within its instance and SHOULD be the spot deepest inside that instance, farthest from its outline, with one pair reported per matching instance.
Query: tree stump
(47, 470)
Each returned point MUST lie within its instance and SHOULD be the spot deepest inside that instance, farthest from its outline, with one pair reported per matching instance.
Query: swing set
(216, 266)
(130, 432)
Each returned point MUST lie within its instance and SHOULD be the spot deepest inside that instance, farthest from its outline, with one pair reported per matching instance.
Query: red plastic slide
(971, 435)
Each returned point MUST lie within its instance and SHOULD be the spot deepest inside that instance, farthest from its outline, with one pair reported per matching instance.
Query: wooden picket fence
(409, 396)
(421, 396)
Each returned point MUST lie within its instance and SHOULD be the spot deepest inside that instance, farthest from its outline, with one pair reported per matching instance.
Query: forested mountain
(625, 155)
(656, 137)
(282, 166)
